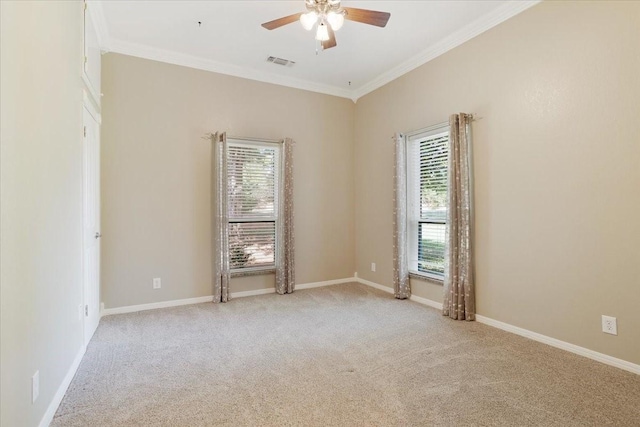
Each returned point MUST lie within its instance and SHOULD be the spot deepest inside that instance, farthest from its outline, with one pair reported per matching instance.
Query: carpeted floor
(345, 355)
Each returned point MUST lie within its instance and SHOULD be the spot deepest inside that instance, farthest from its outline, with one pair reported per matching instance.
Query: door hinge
(84, 131)
(86, 310)
(85, 5)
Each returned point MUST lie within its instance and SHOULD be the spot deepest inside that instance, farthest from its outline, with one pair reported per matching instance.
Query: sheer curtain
(285, 268)
(459, 289)
(221, 270)
(401, 285)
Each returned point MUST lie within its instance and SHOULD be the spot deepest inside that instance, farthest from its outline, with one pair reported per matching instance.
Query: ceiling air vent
(280, 61)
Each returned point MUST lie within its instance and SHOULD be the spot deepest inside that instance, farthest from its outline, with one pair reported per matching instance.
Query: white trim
(198, 300)
(253, 293)
(419, 300)
(96, 12)
(298, 287)
(428, 131)
(90, 106)
(553, 342)
(89, 87)
(461, 36)
(57, 398)
(562, 345)
(155, 305)
(97, 19)
(256, 141)
(170, 57)
(325, 283)
(466, 33)
(374, 285)
(426, 301)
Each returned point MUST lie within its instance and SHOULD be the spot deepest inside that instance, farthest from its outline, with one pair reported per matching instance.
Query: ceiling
(230, 40)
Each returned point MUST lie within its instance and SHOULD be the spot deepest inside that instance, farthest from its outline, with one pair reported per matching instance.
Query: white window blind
(427, 167)
(252, 170)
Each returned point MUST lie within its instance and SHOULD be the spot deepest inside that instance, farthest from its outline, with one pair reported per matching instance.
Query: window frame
(275, 218)
(413, 199)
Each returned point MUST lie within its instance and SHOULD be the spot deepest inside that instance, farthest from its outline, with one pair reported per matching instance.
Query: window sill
(253, 272)
(426, 277)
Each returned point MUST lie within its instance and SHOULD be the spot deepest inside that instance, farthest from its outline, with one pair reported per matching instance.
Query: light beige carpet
(344, 355)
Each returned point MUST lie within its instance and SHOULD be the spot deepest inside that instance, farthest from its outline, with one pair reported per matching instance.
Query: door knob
(98, 235)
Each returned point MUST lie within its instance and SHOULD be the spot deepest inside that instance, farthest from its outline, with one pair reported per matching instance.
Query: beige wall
(156, 174)
(556, 159)
(557, 168)
(41, 211)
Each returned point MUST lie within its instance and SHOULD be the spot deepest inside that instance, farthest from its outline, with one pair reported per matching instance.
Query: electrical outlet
(609, 325)
(373, 267)
(157, 283)
(35, 386)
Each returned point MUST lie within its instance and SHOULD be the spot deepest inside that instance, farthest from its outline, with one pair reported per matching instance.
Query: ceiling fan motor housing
(323, 6)
(323, 12)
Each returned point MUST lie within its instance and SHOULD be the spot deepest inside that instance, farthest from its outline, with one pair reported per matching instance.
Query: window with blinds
(252, 179)
(427, 168)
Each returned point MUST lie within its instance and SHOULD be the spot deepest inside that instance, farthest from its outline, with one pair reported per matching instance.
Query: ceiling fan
(328, 16)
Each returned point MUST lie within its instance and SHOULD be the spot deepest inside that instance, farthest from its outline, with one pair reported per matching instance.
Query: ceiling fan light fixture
(322, 34)
(335, 19)
(308, 20)
(328, 16)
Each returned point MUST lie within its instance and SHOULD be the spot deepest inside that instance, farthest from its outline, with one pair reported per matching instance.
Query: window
(252, 182)
(427, 194)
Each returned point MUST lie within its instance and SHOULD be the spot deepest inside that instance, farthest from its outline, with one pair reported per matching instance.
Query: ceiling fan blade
(277, 23)
(371, 17)
(332, 39)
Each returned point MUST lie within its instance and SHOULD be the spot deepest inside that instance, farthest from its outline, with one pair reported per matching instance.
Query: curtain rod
(209, 135)
(436, 126)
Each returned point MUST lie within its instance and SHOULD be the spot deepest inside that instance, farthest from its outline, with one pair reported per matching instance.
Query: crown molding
(147, 52)
(465, 34)
(96, 14)
(486, 22)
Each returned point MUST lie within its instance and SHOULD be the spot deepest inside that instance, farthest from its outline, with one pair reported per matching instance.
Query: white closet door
(91, 221)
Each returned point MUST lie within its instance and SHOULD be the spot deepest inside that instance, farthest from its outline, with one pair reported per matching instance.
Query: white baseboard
(198, 300)
(426, 301)
(420, 300)
(57, 398)
(252, 293)
(155, 305)
(563, 345)
(374, 285)
(326, 283)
